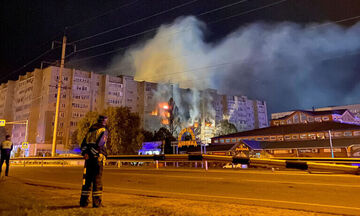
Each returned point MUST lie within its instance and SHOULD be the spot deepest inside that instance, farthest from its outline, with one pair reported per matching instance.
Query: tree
(148, 135)
(125, 134)
(163, 134)
(225, 127)
(84, 124)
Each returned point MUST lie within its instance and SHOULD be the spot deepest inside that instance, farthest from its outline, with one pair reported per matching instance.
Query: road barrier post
(157, 164)
(118, 164)
(206, 165)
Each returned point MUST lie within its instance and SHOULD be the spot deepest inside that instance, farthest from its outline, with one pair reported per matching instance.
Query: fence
(293, 163)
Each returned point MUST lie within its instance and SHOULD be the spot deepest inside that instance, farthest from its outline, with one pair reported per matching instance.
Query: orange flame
(165, 121)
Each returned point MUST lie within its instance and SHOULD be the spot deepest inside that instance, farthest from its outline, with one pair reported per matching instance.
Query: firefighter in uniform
(6, 148)
(93, 148)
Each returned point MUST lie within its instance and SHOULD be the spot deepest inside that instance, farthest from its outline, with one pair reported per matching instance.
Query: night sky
(28, 27)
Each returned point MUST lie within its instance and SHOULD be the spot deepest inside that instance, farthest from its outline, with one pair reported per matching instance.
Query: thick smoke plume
(288, 65)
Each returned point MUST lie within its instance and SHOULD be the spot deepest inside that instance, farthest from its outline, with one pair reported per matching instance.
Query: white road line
(239, 198)
(201, 195)
(240, 180)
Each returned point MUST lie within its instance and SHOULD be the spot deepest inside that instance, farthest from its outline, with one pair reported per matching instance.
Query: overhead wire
(136, 21)
(27, 64)
(144, 32)
(103, 14)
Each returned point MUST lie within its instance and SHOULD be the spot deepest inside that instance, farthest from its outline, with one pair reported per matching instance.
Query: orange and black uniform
(94, 145)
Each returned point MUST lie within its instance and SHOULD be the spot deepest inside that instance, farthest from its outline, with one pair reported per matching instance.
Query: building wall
(244, 113)
(33, 97)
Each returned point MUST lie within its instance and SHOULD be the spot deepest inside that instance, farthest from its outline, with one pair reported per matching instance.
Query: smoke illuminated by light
(305, 64)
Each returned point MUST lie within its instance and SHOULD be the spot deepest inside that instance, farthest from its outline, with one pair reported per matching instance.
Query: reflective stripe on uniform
(98, 132)
(97, 193)
(85, 193)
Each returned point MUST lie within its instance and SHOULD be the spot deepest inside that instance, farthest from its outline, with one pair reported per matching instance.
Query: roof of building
(324, 143)
(317, 113)
(295, 128)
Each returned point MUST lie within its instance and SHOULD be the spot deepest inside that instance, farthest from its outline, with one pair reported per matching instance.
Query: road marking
(240, 198)
(203, 195)
(169, 176)
(302, 183)
(240, 180)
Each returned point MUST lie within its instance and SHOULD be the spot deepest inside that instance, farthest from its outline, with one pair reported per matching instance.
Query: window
(222, 140)
(273, 138)
(312, 136)
(356, 133)
(325, 118)
(259, 139)
(296, 118)
(233, 140)
(347, 133)
(338, 134)
(227, 140)
(320, 135)
(287, 137)
(303, 136)
(280, 138)
(295, 136)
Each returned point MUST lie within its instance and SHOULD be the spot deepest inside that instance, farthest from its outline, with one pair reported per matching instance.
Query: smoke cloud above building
(290, 66)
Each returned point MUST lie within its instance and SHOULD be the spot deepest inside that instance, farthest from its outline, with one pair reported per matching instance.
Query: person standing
(6, 147)
(93, 148)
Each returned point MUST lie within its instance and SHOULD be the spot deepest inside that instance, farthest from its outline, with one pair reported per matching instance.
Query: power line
(27, 64)
(136, 21)
(249, 11)
(243, 13)
(103, 14)
(156, 28)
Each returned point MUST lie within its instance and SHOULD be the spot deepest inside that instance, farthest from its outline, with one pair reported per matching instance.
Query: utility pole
(53, 149)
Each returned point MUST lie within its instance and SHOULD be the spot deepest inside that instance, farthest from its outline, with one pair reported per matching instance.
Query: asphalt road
(328, 193)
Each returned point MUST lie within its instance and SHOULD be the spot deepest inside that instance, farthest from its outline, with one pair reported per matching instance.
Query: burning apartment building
(168, 105)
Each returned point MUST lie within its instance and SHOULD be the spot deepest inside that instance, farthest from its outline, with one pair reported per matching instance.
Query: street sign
(2, 122)
(24, 145)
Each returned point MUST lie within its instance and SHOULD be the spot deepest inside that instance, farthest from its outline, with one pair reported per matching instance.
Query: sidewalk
(21, 198)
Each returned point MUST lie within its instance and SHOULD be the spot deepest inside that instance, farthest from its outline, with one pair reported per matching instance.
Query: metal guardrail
(325, 160)
(294, 163)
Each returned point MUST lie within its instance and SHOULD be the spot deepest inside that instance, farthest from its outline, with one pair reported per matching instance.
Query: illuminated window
(222, 140)
(273, 138)
(325, 118)
(227, 140)
(356, 133)
(259, 138)
(320, 135)
(280, 138)
(312, 136)
(347, 133)
(303, 136)
(338, 134)
(287, 137)
(296, 136)
(233, 140)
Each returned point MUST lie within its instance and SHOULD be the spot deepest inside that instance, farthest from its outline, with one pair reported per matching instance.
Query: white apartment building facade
(33, 98)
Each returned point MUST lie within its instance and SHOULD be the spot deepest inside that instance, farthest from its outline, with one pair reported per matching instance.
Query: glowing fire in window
(165, 121)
